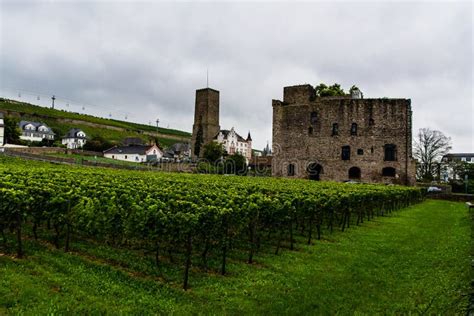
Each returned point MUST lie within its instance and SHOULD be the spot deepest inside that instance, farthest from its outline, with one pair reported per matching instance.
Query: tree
(12, 131)
(430, 147)
(213, 152)
(97, 143)
(199, 141)
(236, 164)
(323, 90)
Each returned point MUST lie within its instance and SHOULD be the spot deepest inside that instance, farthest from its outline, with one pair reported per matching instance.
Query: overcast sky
(145, 60)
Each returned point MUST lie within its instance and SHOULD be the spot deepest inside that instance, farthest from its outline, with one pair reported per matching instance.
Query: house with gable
(134, 153)
(74, 139)
(35, 131)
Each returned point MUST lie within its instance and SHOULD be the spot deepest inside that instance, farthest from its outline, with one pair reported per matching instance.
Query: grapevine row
(194, 216)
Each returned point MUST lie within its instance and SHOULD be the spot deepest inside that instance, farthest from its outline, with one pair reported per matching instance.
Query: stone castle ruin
(342, 138)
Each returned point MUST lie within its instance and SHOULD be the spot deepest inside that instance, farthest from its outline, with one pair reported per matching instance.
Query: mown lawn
(412, 261)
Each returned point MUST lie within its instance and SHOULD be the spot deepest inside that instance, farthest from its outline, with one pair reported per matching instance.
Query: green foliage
(97, 143)
(213, 152)
(235, 164)
(323, 90)
(342, 274)
(199, 141)
(59, 121)
(182, 212)
(34, 110)
(12, 131)
(210, 168)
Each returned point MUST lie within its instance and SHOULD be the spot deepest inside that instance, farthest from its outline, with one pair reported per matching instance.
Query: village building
(178, 152)
(134, 153)
(234, 143)
(35, 131)
(206, 127)
(74, 139)
(449, 161)
(342, 138)
(2, 130)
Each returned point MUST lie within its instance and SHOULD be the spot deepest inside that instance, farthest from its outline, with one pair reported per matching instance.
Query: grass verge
(413, 261)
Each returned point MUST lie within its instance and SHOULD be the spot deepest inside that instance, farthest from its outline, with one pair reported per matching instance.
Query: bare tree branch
(430, 147)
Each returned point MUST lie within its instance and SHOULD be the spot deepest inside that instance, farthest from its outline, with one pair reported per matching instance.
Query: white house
(35, 131)
(449, 160)
(2, 131)
(74, 139)
(234, 143)
(134, 153)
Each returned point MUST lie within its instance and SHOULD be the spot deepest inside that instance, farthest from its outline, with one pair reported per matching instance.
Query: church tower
(206, 120)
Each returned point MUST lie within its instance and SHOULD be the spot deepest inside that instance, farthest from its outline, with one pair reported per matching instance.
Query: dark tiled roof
(22, 125)
(73, 133)
(132, 141)
(133, 149)
(226, 132)
(181, 147)
(459, 155)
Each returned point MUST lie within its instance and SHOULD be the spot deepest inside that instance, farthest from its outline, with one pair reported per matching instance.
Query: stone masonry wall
(206, 116)
(301, 140)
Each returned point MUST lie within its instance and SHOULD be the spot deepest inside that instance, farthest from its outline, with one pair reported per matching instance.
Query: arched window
(291, 170)
(346, 153)
(354, 173)
(354, 129)
(390, 151)
(310, 131)
(313, 118)
(388, 172)
(335, 129)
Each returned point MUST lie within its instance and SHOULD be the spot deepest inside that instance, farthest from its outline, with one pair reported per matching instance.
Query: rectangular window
(346, 153)
(354, 129)
(291, 170)
(335, 129)
(390, 152)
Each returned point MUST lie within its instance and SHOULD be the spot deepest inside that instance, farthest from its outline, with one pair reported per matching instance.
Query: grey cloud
(148, 58)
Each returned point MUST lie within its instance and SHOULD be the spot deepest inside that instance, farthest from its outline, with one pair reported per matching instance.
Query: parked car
(434, 189)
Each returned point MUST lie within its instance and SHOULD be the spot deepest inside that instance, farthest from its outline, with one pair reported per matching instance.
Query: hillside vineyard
(189, 218)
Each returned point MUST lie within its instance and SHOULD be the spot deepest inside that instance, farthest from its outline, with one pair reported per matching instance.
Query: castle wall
(302, 139)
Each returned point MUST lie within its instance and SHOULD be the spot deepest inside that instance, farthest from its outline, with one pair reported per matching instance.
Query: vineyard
(186, 220)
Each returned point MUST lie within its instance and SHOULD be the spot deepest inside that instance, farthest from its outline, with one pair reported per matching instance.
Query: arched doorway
(354, 173)
(314, 170)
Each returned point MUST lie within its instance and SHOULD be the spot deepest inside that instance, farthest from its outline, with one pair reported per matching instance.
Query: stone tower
(206, 120)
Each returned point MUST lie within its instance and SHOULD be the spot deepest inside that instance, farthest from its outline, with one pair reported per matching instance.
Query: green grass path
(413, 261)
